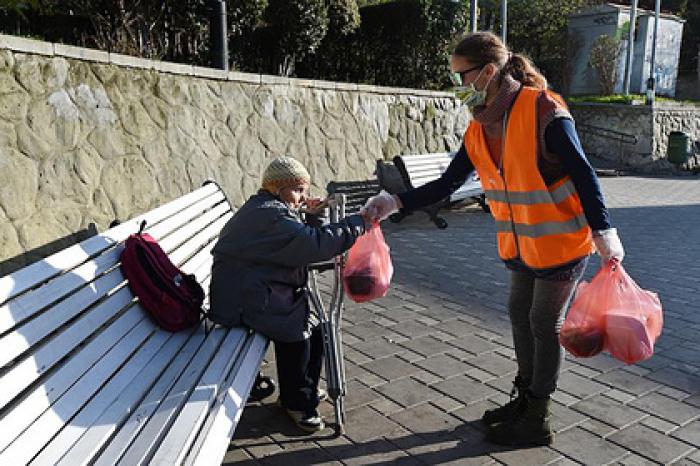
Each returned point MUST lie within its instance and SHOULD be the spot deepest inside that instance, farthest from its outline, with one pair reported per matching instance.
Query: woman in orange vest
(549, 210)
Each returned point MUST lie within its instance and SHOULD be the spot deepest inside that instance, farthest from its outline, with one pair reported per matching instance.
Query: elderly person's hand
(608, 244)
(382, 205)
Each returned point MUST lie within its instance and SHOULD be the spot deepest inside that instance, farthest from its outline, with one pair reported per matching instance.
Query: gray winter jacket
(260, 266)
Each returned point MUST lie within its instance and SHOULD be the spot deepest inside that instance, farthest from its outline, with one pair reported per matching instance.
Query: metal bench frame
(87, 377)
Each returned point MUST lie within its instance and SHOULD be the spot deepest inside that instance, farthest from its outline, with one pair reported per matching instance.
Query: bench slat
(22, 449)
(138, 418)
(26, 372)
(95, 407)
(211, 449)
(145, 444)
(14, 344)
(39, 272)
(97, 435)
(185, 429)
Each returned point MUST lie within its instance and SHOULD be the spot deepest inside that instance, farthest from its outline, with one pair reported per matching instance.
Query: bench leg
(432, 212)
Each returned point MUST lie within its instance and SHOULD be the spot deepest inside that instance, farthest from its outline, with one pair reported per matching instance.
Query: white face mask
(469, 95)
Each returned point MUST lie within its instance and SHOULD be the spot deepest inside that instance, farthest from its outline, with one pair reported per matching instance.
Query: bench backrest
(356, 192)
(419, 169)
(78, 354)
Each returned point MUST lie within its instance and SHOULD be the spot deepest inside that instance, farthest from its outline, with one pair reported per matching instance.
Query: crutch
(330, 320)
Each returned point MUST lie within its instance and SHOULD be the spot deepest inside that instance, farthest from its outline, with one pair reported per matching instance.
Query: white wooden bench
(419, 169)
(86, 376)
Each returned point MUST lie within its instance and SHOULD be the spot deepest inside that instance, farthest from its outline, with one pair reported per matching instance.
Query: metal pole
(651, 83)
(219, 40)
(472, 15)
(630, 46)
(504, 20)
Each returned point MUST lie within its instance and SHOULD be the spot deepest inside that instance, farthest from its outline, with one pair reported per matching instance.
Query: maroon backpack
(172, 297)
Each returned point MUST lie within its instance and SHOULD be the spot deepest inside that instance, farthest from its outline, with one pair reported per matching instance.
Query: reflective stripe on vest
(560, 194)
(543, 229)
(542, 225)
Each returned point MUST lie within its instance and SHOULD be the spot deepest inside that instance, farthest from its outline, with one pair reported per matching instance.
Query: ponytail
(520, 68)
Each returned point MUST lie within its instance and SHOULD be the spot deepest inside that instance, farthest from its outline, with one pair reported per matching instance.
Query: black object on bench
(356, 193)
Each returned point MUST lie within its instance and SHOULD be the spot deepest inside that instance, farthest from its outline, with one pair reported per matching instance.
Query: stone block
(609, 411)
(131, 62)
(210, 73)
(267, 79)
(24, 45)
(81, 53)
(173, 68)
(464, 389)
(252, 78)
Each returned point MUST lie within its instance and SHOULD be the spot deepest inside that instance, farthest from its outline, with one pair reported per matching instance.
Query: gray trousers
(537, 308)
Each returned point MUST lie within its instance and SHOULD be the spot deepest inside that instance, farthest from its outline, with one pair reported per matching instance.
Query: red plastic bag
(368, 270)
(613, 313)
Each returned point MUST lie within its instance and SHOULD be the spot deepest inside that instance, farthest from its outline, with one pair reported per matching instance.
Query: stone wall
(635, 136)
(87, 137)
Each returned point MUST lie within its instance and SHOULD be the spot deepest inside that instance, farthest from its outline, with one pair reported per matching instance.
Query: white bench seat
(86, 377)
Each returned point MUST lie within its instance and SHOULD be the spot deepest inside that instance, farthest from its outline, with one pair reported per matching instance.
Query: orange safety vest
(542, 225)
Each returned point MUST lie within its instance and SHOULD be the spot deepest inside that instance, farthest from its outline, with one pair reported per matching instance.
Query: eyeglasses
(457, 77)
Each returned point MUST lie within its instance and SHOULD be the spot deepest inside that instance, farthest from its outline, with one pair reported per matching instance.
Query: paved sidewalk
(424, 362)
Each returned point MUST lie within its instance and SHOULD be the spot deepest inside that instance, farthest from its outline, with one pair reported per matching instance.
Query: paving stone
(564, 418)
(597, 428)
(527, 456)
(464, 389)
(628, 382)
(564, 398)
(390, 368)
(377, 348)
(677, 379)
(479, 375)
(619, 395)
(385, 406)
(679, 395)
(444, 366)
(579, 386)
(426, 377)
(493, 363)
(689, 433)
(587, 448)
(650, 444)
(601, 363)
(413, 329)
(608, 411)
(299, 453)
(447, 404)
(693, 400)
(426, 346)
(378, 451)
(458, 327)
(659, 424)
(425, 419)
(635, 460)
(408, 392)
(364, 423)
(359, 395)
(666, 408)
(473, 344)
(238, 456)
(367, 330)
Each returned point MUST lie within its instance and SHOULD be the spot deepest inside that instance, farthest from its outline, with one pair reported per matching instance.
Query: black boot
(510, 410)
(531, 428)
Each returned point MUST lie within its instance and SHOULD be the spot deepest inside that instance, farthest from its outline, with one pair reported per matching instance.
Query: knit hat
(283, 172)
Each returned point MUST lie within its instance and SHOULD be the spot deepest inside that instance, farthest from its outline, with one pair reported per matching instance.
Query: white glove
(379, 207)
(608, 244)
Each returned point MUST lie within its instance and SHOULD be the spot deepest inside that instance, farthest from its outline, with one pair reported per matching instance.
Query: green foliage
(343, 16)
(400, 43)
(298, 26)
(244, 15)
(603, 57)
